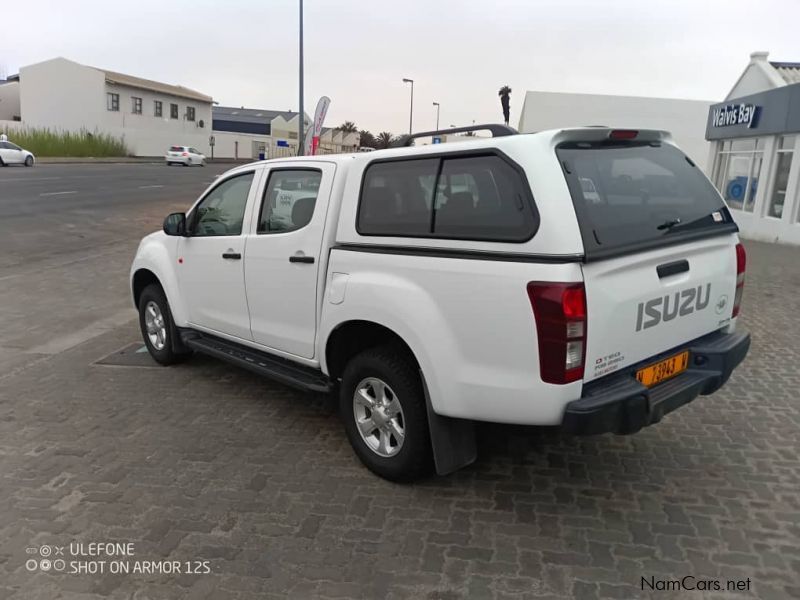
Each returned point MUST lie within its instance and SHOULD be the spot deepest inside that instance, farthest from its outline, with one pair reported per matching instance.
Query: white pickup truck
(583, 278)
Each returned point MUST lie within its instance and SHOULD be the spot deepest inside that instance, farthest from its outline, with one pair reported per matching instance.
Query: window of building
(737, 170)
(190, 113)
(221, 212)
(289, 200)
(158, 108)
(173, 111)
(292, 135)
(480, 197)
(783, 164)
(112, 101)
(136, 105)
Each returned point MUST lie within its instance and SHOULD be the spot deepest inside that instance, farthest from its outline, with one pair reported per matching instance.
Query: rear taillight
(560, 312)
(741, 265)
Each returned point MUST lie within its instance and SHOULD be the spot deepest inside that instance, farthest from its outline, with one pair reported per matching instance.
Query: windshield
(636, 193)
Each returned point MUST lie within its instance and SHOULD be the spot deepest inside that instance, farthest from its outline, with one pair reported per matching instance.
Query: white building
(755, 137)
(149, 116)
(685, 119)
(246, 133)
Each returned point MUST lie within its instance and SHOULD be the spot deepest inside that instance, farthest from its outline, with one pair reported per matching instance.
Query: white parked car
(584, 278)
(11, 154)
(185, 155)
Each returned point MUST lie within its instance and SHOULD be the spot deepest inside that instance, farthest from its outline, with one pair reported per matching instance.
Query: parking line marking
(58, 193)
(144, 187)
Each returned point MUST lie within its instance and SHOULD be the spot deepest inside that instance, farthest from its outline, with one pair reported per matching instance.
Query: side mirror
(175, 224)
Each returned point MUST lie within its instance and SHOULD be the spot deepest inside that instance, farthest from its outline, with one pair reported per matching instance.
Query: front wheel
(382, 404)
(28, 161)
(155, 322)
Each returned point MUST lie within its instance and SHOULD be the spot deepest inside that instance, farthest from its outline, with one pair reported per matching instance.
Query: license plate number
(664, 369)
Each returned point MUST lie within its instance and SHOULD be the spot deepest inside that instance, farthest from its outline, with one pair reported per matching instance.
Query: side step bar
(273, 367)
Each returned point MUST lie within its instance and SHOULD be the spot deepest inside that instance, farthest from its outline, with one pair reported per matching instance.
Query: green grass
(44, 142)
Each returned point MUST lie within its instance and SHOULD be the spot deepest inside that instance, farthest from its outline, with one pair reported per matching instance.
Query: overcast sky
(459, 52)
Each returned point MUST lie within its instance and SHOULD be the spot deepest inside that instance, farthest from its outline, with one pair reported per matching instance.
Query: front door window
(222, 211)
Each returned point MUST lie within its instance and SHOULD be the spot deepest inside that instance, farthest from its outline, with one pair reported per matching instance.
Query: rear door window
(289, 200)
(633, 195)
(476, 197)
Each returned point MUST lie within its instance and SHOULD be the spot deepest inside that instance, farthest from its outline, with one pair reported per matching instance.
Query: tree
(505, 102)
(384, 139)
(367, 139)
(348, 127)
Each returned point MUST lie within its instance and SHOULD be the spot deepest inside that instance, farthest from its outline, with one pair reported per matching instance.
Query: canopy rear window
(632, 195)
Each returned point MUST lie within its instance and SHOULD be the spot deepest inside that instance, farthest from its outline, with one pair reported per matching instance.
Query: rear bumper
(620, 404)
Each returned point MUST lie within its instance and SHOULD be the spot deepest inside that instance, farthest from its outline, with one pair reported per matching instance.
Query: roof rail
(496, 129)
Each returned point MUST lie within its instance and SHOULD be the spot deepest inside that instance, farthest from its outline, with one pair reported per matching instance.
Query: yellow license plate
(663, 369)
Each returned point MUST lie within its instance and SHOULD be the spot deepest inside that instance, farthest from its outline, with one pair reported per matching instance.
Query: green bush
(44, 142)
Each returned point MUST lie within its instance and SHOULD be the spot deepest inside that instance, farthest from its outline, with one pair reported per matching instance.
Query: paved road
(67, 235)
(65, 208)
(205, 462)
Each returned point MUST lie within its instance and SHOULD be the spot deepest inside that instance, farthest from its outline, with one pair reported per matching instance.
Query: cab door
(211, 257)
(282, 257)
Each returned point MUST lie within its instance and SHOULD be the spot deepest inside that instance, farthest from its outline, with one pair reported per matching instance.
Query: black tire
(398, 370)
(28, 161)
(164, 355)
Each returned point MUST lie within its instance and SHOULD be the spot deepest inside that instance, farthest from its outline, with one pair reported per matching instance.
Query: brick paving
(206, 462)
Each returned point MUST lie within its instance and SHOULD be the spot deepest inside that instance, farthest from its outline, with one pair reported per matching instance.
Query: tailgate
(659, 245)
(635, 313)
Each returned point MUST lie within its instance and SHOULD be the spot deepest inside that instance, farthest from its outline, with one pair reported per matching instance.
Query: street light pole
(411, 111)
(436, 104)
(301, 119)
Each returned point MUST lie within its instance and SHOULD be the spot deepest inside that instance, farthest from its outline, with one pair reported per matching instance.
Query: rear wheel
(383, 408)
(155, 322)
(28, 161)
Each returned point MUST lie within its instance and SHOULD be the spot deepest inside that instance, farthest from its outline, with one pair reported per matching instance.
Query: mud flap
(453, 440)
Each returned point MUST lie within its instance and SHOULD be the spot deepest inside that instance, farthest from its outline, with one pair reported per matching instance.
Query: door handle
(301, 259)
(232, 255)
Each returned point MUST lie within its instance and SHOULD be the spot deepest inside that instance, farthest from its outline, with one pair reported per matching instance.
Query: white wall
(752, 81)
(148, 135)
(225, 144)
(9, 101)
(281, 129)
(758, 76)
(685, 119)
(63, 95)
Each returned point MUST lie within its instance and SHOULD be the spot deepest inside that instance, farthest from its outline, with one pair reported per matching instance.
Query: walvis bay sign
(735, 114)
